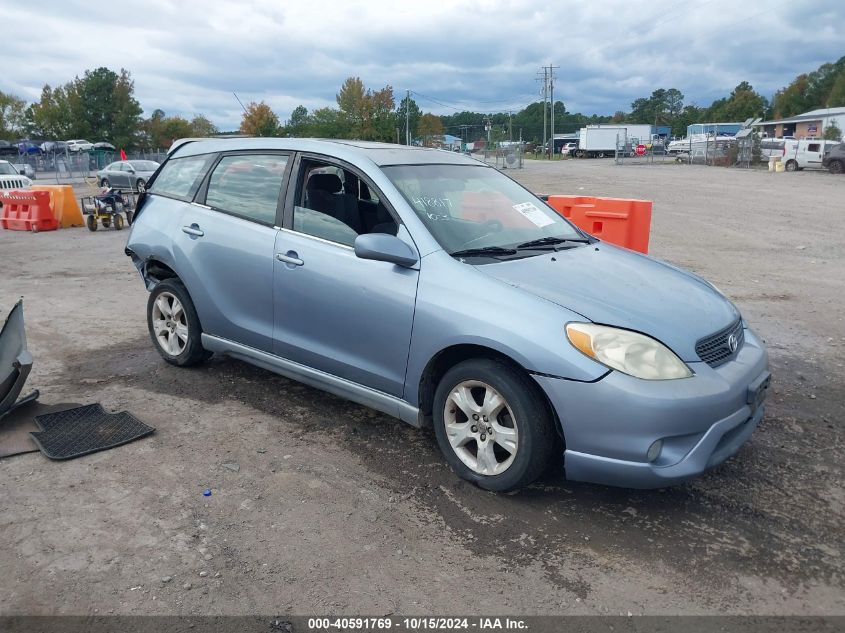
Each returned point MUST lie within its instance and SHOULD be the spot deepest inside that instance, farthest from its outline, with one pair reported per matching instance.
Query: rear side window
(181, 177)
(248, 186)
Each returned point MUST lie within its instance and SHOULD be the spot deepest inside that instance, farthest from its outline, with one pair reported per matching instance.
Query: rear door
(116, 175)
(334, 312)
(225, 244)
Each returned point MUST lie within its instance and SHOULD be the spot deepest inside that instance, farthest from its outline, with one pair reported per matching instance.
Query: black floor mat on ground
(16, 426)
(84, 430)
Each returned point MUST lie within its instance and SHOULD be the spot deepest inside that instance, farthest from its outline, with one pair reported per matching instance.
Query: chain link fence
(63, 166)
(505, 157)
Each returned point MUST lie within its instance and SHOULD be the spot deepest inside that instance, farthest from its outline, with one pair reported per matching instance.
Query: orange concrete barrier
(25, 210)
(63, 205)
(616, 220)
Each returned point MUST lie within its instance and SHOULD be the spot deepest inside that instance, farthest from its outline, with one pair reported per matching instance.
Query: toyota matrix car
(430, 286)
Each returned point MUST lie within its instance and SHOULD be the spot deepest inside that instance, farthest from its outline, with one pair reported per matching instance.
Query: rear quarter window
(181, 177)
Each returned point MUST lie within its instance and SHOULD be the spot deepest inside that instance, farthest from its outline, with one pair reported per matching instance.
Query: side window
(336, 205)
(248, 186)
(181, 177)
(814, 147)
(323, 209)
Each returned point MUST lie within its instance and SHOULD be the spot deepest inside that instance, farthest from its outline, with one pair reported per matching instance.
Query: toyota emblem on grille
(733, 343)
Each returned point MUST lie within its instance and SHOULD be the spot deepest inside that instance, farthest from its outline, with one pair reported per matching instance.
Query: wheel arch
(450, 356)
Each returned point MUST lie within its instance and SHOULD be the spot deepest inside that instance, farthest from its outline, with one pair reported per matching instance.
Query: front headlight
(634, 354)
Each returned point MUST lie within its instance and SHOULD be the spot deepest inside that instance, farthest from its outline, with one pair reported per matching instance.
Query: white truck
(598, 141)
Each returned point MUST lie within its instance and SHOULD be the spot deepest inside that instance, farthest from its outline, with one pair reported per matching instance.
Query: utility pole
(407, 117)
(552, 113)
(510, 126)
(545, 96)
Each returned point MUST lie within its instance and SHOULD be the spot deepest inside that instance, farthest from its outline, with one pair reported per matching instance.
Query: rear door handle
(194, 230)
(290, 258)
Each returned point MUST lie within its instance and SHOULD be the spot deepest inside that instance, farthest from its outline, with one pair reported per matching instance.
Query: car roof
(382, 154)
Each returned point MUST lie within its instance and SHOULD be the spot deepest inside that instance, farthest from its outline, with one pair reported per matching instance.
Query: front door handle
(194, 230)
(290, 258)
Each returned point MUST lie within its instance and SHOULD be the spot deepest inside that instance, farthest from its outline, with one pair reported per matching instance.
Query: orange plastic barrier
(616, 220)
(63, 205)
(25, 210)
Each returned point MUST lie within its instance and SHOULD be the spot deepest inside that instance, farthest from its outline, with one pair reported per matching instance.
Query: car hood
(614, 286)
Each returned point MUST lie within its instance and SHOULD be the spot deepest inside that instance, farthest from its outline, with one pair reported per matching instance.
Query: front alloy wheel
(174, 325)
(481, 428)
(493, 424)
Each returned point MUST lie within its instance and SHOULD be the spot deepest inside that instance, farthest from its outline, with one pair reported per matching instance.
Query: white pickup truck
(11, 179)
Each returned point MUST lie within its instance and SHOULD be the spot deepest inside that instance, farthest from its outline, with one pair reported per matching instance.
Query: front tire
(493, 425)
(141, 186)
(836, 167)
(91, 222)
(104, 183)
(174, 325)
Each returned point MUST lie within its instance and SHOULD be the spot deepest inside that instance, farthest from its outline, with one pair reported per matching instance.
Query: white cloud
(188, 57)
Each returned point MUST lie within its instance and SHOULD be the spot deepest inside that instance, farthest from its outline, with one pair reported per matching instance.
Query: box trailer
(603, 140)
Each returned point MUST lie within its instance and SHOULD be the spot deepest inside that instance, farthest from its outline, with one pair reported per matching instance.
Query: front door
(227, 240)
(334, 312)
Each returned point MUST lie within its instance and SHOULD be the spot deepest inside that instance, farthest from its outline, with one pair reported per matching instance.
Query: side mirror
(383, 247)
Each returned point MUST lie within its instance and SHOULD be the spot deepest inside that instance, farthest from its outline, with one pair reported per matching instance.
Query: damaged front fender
(15, 361)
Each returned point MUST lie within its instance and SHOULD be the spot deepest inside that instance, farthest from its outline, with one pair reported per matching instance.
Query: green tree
(12, 110)
(742, 104)
(259, 120)
(104, 107)
(327, 123)
(299, 123)
(201, 126)
(832, 132)
(351, 101)
(51, 116)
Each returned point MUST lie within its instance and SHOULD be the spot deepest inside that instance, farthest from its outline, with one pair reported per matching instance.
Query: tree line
(101, 105)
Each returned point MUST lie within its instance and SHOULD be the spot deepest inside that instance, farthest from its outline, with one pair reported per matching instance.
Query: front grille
(715, 349)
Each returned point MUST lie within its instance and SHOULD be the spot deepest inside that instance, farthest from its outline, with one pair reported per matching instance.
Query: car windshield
(144, 165)
(474, 207)
(7, 169)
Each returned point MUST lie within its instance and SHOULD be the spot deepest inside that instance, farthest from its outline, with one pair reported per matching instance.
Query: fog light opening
(654, 451)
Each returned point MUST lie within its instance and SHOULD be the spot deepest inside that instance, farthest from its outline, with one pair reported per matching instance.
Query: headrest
(325, 182)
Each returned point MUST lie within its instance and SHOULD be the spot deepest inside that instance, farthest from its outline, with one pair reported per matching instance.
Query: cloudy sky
(187, 57)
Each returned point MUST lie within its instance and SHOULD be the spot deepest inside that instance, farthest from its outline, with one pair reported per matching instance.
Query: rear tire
(141, 186)
(174, 325)
(514, 438)
(836, 167)
(791, 165)
(118, 222)
(104, 183)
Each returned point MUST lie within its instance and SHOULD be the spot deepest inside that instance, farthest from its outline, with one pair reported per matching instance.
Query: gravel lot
(322, 506)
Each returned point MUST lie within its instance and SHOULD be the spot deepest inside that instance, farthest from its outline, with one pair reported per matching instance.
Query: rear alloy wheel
(493, 425)
(141, 186)
(104, 183)
(174, 325)
(791, 165)
(836, 167)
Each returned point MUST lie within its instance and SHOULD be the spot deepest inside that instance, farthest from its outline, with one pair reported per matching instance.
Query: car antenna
(239, 101)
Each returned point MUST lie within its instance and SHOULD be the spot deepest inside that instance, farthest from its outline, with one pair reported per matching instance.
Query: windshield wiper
(484, 250)
(552, 241)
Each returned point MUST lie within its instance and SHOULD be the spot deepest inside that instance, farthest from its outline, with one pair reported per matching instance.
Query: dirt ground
(322, 506)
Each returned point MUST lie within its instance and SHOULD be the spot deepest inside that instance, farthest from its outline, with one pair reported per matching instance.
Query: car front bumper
(610, 425)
